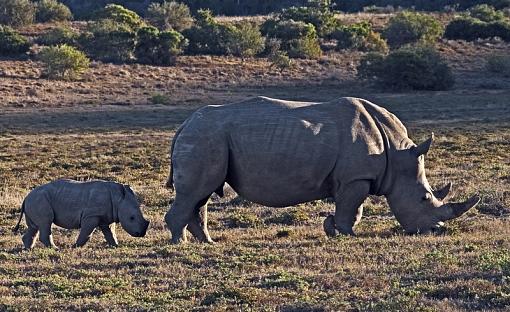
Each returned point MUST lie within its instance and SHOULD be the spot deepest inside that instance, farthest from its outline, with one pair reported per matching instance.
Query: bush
(278, 58)
(320, 16)
(480, 22)
(244, 40)
(465, 28)
(16, 12)
(499, 64)
(470, 29)
(419, 68)
(486, 13)
(299, 39)
(169, 15)
(359, 36)
(52, 10)
(63, 62)
(207, 36)
(120, 15)
(11, 42)
(211, 37)
(58, 35)
(411, 27)
(158, 47)
(109, 41)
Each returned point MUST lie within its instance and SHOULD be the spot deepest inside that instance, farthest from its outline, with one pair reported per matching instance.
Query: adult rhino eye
(132, 218)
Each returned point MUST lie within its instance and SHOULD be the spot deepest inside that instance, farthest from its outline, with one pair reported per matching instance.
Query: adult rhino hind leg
(198, 224)
(45, 236)
(349, 208)
(179, 216)
(30, 235)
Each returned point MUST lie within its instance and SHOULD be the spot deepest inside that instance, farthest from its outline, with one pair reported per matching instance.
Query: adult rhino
(281, 153)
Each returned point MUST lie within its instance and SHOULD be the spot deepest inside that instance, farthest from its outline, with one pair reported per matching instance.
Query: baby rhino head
(130, 215)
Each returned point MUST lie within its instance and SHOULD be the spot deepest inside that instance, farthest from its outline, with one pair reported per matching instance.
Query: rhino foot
(329, 226)
(333, 230)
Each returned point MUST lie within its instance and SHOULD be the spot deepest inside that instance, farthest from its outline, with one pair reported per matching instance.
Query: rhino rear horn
(454, 210)
(424, 147)
(443, 192)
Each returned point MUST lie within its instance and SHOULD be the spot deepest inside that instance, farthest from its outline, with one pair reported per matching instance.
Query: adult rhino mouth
(438, 229)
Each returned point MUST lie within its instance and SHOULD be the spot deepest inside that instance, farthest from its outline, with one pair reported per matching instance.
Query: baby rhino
(81, 205)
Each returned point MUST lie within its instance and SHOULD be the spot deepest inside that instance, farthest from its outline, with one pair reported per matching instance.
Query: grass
(265, 259)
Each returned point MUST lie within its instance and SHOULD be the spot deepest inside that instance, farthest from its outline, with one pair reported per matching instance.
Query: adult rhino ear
(423, 148)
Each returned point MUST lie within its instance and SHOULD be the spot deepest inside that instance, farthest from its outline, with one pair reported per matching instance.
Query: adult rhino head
(417, 207)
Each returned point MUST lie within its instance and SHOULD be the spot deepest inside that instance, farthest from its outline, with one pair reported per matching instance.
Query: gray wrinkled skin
(81, 205)
(281, 153)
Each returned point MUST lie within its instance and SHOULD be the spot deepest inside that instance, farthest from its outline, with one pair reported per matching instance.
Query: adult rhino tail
(170, 181)
(16, 228)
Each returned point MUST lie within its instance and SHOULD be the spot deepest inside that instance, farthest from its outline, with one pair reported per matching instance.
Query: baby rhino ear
(124, 188)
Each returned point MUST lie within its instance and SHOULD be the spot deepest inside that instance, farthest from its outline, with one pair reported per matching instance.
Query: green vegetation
(169, 15)
(52, 11)
(120, 15)
(63, 62)
(108, 40)
(419, 68)
(411, 27)
(11, 42)
(240, 219)
(298, 39)
(245, 40)
(480, 22)
(159, 98)
(58, 35)
(359, 36)
(486, 13)
(207, 36)
(292, 217)
(158, 47)
(318, 13)
(16, 12)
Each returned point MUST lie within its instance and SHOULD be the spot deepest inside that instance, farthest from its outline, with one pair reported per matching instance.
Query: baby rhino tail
(16, 228)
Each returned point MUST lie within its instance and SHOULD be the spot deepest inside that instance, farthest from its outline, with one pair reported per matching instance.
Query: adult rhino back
(281, 153)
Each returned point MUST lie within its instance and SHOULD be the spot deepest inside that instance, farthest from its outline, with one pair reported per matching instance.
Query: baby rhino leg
(88, 226)
(39, 216)
(109, 234)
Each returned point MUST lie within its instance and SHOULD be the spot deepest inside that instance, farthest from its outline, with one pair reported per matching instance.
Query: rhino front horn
(454, 210)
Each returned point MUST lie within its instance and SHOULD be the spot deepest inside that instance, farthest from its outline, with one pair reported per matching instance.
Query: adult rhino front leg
(349, 208)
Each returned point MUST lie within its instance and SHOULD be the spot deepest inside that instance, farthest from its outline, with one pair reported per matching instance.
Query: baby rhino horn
(443, 192)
